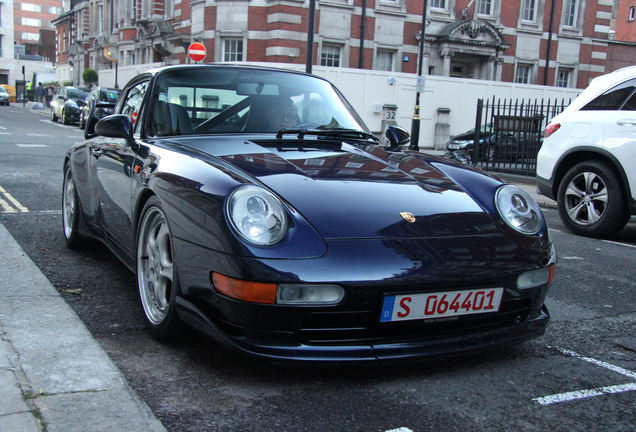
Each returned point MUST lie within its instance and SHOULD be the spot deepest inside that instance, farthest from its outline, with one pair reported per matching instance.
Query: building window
(523, 74)
(232, 49)
(33, 22)
(484, 7)
(439, 4)
(30, 7)
(54, 10)
(570, 11)
(563, 78)
(31, 36)
(100, 19)
(528, 10)
(168, 9)
(384, 60)
(632, 11)
(330, 55)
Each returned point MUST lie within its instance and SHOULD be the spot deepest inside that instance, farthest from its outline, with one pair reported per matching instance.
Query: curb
(54, 375)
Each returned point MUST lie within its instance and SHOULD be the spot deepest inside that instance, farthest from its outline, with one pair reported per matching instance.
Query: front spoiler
(367, 353)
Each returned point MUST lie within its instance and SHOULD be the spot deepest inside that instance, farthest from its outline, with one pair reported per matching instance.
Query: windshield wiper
(327, 132)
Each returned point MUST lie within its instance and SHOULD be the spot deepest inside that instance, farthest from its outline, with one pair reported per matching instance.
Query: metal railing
(509, 133)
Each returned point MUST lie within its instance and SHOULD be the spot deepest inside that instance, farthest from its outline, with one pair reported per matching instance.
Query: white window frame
(632, 12)
(330, 57)
(232, 55)
(531, 7)
(30, 36)
(559, 81)
(528, 73)
(435, 4)
(393, 55)
(569, 14)
(481, 3)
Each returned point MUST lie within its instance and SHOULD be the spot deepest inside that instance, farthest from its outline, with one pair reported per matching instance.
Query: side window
(630, 105)
(132, 103)
(613, 98)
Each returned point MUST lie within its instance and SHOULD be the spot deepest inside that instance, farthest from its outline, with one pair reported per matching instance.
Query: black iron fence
(509, 133)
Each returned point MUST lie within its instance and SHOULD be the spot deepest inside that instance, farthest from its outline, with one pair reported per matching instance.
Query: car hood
(353, 191)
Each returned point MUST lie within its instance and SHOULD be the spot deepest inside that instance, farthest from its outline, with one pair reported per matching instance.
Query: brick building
(31, 27)
(484, 39)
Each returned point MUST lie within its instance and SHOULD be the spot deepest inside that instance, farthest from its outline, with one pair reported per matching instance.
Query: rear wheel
(156, 276)
(65, 117)
(590, 200)
(70, 211)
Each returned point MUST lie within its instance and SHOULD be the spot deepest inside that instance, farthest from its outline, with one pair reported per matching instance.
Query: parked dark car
(256, 206)
(494, 145)
(101, 100)
(67, 104)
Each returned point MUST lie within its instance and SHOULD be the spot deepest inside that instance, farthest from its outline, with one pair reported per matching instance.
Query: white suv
(588, 158)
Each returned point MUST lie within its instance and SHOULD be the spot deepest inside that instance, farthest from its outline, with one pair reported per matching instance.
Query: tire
(156, 276)
(70, 212)
(64, 117)
(82, 123)
(591, 201)
(53, 116)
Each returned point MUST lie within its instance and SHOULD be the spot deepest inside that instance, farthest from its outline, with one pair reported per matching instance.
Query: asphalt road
(580, 376)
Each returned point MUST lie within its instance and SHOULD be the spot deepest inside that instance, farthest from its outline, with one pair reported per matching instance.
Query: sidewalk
(53, 375)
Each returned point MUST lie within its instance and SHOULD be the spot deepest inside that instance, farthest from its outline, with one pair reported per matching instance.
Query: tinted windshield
(108, 95)
(77, 94)
(2, 90)
(237, 100)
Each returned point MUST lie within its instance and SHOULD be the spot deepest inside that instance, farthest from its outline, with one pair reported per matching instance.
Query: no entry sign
(197, 51)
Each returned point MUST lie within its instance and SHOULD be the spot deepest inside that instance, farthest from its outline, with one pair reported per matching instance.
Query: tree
(89, 76)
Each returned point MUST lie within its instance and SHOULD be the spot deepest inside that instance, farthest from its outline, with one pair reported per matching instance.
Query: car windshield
(2, 90)
(77, 94)
(108, 95)
(233, 100)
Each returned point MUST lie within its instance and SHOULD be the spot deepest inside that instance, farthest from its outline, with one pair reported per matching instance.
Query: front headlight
(257, 215)
(519, 209)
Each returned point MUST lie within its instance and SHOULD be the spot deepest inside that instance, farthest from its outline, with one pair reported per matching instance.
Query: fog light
(309, 294)
(534, 278)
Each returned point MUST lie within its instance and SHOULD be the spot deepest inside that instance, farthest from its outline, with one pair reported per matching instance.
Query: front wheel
(590, 200)
(53, 116)
(156, 276)
(64, 117)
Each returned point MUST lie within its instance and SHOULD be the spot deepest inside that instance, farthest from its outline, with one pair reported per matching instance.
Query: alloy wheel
(586, 198)
(155, 266)
(69, 205)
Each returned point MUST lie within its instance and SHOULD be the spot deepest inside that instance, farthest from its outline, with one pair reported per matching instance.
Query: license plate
(441, 304)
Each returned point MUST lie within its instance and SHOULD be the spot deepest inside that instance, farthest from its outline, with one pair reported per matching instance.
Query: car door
(113, 159)
(619, 135)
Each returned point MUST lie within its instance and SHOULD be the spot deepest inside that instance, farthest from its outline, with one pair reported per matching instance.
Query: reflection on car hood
(364, 191)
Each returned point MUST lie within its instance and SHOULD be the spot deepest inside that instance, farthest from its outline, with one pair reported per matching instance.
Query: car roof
(157, 70)
(601, 84)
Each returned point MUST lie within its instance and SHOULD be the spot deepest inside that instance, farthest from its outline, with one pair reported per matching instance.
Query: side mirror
(115, 126)
(397, 137)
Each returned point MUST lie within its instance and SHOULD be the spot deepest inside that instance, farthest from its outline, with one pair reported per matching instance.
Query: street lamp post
(310, 36)
(415, 124)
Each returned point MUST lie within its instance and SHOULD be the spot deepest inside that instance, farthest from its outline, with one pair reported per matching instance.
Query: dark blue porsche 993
(255, 205)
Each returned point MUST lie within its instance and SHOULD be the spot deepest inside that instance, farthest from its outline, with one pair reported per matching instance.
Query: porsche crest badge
(408, 216)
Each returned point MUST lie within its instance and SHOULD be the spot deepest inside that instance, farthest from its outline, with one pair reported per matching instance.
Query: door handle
(626, 122)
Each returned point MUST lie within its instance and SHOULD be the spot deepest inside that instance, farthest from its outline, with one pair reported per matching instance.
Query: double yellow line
(6, 199)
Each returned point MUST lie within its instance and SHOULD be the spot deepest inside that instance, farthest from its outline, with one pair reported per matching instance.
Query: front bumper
(398, 348)
(369, 270)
